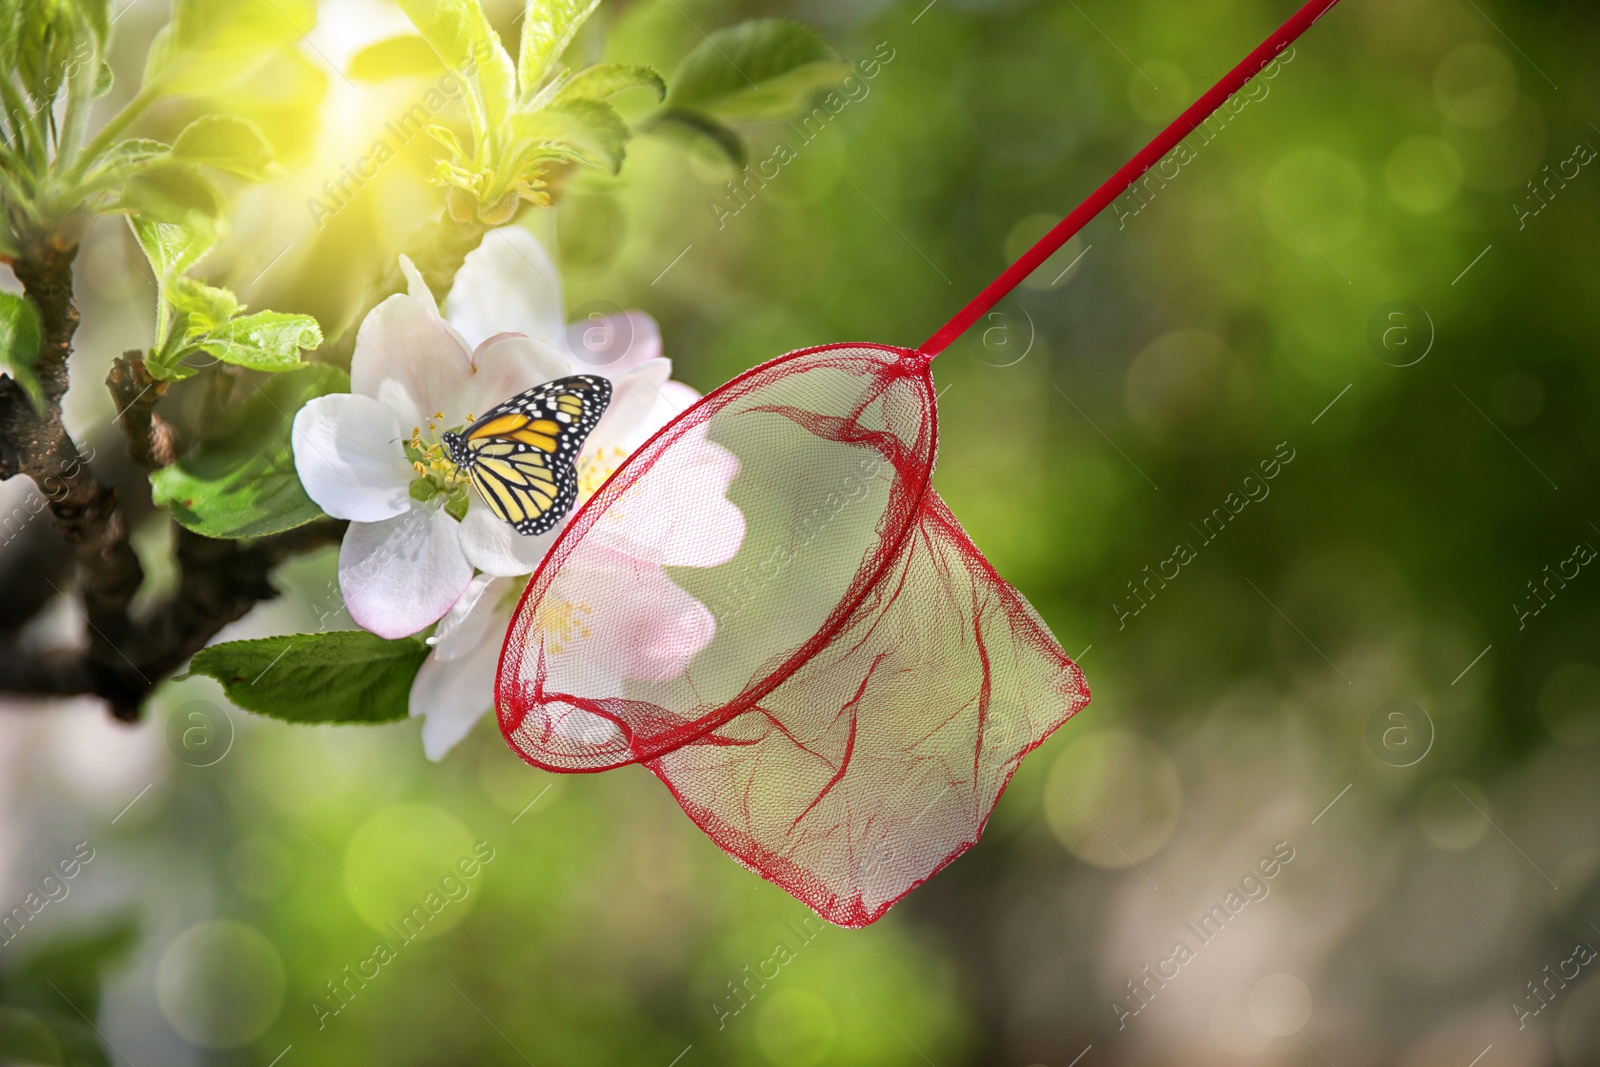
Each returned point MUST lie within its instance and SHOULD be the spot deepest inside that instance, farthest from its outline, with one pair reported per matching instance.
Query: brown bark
(126, 657)
(37, 444)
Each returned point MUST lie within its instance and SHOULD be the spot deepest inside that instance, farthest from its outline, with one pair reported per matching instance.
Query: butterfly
(521, 455)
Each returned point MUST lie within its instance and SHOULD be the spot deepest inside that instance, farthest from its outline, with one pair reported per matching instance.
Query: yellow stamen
(563, 622)
(595, 467)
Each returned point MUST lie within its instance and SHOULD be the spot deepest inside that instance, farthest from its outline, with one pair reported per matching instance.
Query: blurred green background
(1446, 852)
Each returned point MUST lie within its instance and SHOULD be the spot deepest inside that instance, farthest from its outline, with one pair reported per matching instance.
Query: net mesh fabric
(837, 695)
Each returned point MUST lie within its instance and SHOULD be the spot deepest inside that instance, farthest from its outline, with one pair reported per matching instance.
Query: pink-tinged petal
(479, 616)
(634, 396)
(610, 619)
(350, 458)
(401, 575)
(605, 625)
(409, 359)
(680, 516)
(674, 400)
(671, 400)
(508, 283)
(645, 628)
(613, 345)
(450, 696)
(505, 365)
(493, 546)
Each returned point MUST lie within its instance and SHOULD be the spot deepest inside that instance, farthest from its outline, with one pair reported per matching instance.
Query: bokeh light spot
(220, 984)
(1113, 798)
(400, 859)
(1424, 175)
(1232, 1027)
(512, 785)
(1569, 704)
(1025, 234)
(1180, 379)
(1475, 86)
(25, 1040)
(1280, 1005)
(1158, 90)
(1317, 199)
(796, 1028)
(1451, 813)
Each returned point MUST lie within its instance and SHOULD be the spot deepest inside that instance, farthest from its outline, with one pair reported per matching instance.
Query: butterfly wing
(524, 451)
(525, 488)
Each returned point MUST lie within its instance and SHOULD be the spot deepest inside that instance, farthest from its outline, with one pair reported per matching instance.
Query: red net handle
(1118, 183)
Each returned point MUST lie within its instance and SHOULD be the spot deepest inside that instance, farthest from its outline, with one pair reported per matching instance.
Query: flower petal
(614, 344)
(452, 695)
(679, 516)
(404, 573)
(494, 547)
(411, 360)
(348, 453)
(505, 365)
(477, 617)
(416, 288)
(647, 627)
(508, 283)
(633, 398)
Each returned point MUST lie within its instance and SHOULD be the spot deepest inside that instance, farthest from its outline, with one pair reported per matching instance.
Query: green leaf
(447, 138)
(605, 80)
(97, 15)
(114, 165)
(460, 33)
(20, 340)
(170, 367)
(170, 191)
(224, 142)
(268, 341)
(171, 248)
(204, 307)
(240, 481)
(548, 27)
(591, 129)
(346, 676)
(104, 79)
(725, 137)
(211, 44)
(398, 57)
(47, 37)
(762, 69)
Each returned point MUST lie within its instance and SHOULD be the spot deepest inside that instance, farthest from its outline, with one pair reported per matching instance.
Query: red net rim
(913, 364)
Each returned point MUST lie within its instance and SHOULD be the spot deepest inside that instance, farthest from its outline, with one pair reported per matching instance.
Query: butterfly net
(823, 669)
(770, 608)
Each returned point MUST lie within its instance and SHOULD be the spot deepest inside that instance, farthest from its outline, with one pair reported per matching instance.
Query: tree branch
(36, 443)
(125, 658)
(219, 581)
(152, 443)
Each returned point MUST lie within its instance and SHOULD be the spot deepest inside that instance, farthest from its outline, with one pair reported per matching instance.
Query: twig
(152, 444)
(220, 582)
